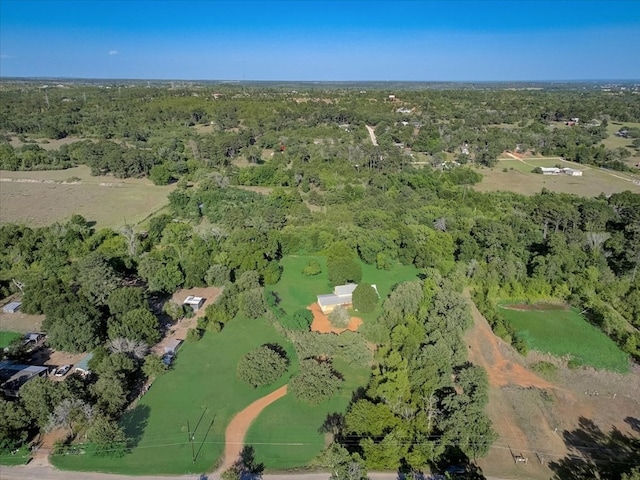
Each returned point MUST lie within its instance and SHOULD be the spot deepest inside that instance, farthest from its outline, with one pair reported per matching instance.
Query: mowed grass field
(519, 178)
(296, 290)
(286, 434)
(40, 198)
(202, 390)
(566, 332)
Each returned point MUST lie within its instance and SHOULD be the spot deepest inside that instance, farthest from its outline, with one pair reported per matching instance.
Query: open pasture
(43, 197)
(519, 178)
(563, 332)
(201, 393)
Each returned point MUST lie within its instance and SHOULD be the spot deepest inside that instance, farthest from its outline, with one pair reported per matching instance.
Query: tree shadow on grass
(246, 467)
(597, 454)
(134, 422)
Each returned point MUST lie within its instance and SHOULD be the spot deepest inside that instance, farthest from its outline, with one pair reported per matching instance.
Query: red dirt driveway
(237, 428)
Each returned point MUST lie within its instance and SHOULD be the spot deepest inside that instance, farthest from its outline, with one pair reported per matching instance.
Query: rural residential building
(194, 302)
(550, 170)
(14, 375)
(572, 171)
(12, 307)
(342, 295)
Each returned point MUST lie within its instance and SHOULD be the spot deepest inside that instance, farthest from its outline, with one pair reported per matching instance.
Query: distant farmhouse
(342, 296)
(557, 171)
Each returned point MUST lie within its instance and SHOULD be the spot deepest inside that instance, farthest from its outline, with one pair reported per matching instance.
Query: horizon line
(142, 79)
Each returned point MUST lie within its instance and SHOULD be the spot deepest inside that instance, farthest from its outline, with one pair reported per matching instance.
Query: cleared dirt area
(43, 197)
(536, 417)
(321, 323)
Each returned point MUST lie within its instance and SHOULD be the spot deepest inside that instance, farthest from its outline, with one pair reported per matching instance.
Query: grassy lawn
(297, 290)
(7, 337)
(566, 332)
(202, 390)
(286, 435)
(19, 457)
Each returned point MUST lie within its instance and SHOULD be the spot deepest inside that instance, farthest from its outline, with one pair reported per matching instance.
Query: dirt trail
(372, 135)
(237, 428)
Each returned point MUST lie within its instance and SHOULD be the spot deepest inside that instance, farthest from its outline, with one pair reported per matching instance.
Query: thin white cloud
(4, 56)
(113, 52)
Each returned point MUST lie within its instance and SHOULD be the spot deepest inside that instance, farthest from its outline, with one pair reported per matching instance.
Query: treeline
(424, 405)
(182, 130)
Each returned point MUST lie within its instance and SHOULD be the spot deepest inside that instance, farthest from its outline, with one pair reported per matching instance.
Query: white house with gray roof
(342, 295)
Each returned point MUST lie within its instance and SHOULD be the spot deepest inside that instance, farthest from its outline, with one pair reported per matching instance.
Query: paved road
(40, 472)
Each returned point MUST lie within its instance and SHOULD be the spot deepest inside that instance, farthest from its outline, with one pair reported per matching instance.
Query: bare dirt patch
(321, 323)
(536, 417)
(181, 327)
(45, 445)
(237, 428)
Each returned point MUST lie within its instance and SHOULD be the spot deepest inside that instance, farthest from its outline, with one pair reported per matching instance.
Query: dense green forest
(334, 194)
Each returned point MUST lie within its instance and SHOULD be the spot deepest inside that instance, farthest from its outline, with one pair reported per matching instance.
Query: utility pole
(193, 452)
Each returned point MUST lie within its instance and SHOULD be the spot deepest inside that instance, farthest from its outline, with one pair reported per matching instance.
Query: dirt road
(372, 135)
(237, 428)
(516, 405)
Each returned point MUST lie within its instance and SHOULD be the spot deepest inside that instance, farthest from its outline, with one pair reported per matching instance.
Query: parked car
(62, 371)
(456, 469)
(167, 359)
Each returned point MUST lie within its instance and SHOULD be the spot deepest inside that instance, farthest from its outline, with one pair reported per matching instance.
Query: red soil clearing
(486, 350)
(321, 323)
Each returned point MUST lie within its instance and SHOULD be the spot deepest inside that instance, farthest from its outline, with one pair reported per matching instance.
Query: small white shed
(11, 307)
(194, 302)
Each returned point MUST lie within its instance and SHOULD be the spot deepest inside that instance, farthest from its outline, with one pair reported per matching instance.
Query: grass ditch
(566, 333)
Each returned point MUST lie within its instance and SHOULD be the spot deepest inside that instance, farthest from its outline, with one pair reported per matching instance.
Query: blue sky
(415, 40)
